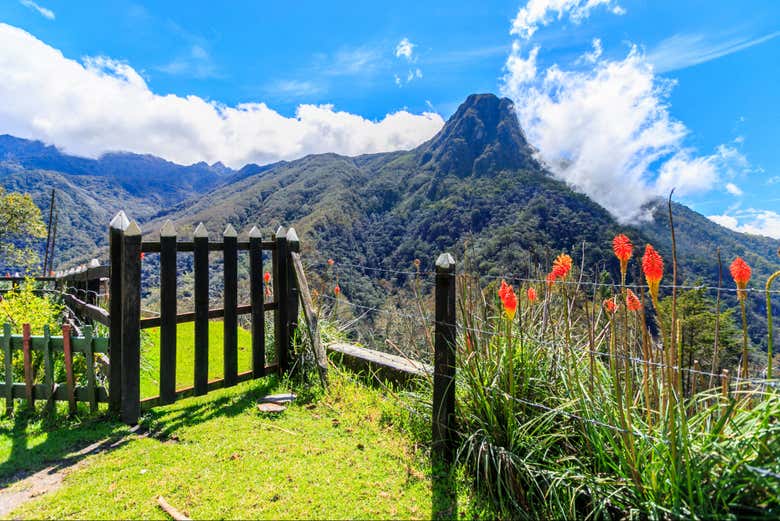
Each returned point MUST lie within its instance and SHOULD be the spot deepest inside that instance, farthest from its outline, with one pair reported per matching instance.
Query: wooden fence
(49, 347)
(126, 323)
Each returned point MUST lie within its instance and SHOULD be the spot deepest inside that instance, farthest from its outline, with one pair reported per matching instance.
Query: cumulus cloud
(46, 13)
(542, 12)
(605, 128)
(404, 49)
(100, 105)
(756, 222)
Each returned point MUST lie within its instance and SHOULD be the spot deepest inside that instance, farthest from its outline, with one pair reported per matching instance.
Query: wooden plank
(257, 298)
(60, 393)
(213, 385)
(90, 356)
(70, 381)
(311, 317)
(281, 317)
(37, 343)
(88, 311)
(116, 238)
(28, 376)
(182, 318)
(189, 246)
(9, 369)
(362, 356)
(131, 332)
(168, 304)
(48, 371)
(230, 296)
(201, 268)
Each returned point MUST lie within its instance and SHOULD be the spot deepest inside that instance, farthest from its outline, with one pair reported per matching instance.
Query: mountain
(91, 191)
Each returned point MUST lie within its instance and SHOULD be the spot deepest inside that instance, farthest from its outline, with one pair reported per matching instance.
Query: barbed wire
(378, 310)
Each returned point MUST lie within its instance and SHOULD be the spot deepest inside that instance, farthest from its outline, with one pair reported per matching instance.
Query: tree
(21, 225)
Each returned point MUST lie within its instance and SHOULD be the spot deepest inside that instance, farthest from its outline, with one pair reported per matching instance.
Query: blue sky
(701, 110)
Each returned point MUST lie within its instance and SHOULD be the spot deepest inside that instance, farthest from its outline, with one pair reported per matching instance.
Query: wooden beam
(311, 317)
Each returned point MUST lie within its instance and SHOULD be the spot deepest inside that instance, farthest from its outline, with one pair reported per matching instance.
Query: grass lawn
(343, 455)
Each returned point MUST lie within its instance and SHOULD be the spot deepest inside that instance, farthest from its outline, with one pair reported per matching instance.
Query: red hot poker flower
(740, 272)
(562, 266)
(632, 302)
(331, 262)
(653, 267)
(143, 255)
(337, 290)
(550, 279)
(508, 299)
(623, 249)
(610, 305)
(531, 295)
(267, 277)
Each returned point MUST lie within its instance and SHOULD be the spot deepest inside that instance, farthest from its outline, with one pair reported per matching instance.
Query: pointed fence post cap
(133, 229)
(94, 263)
(445, 262)
(120, 221)
(168, 229)
(254, 233)
(280, 233)
(200, 231)
(292, 235)
(230, 231)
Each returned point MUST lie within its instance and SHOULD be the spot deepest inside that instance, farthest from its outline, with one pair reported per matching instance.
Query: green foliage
(22, 305)
(21, 226)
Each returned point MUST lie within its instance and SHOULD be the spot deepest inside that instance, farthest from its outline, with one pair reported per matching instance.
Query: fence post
(293, 246)
(230, 321)
(257, 299)
(116, 236)
(443, 449)
(168, 289)
(130, 317)
(281, 318)
(201, 267)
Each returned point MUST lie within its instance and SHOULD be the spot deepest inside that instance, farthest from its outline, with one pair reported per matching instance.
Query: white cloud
(606, 128)
(46, 13)
(405, 49)
(739, 140)
(757, 222)
(773, 180)
(733, 189)
(101, 105)
(685, 50)
(541, 12)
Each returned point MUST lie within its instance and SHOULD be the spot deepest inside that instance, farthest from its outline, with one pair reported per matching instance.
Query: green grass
(185, 358)
(217, 456)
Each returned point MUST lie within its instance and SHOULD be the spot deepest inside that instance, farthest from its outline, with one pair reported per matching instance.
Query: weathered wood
(170, 510)
(444, 360)
(362, 357)
(131, 332)
(257, 299)
(28, 376)
(445, 504)
(9, 369)
(116, 238)
(168, 289)
(230, 296)
(189, 246)
(78, 344)
(70, 381)
(311, 316)
(48, 370)
(281, 317)
(201, 267)
(293, 245)
(90, 356)
(87, 311)
(181, 318)
(60, 393)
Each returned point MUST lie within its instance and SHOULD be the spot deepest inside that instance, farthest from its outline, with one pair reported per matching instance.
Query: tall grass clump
(571, 406)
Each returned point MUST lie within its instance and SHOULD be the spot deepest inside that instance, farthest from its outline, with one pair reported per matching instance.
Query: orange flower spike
(532, 296)
(562, 266)
(336, 290)
(508, 299)
(267, 277)
(331, 262)
(623, 249)
(632, 302)
(740, 272)
(653, 267)
(550, 279)
(610, 305)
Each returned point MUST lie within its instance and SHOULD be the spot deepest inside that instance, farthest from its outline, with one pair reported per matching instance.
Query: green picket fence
(42, 354)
